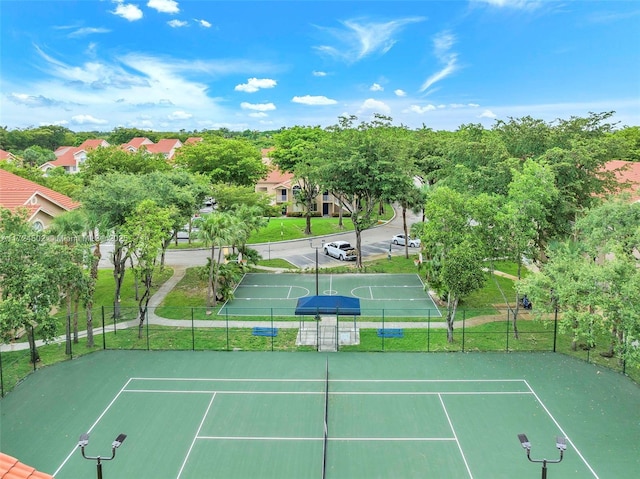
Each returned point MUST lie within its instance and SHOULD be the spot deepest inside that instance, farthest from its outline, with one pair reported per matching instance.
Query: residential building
(42, 204)
(71, 158)
(8, 156)
(627, 172)
(282, 186)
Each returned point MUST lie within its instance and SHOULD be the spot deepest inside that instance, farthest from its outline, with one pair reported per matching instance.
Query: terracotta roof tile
(11, 468)
(630, 174)
(16, 192)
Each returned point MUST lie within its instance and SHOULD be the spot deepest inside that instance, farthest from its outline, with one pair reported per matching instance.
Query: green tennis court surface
(262, 415)
(398, 295)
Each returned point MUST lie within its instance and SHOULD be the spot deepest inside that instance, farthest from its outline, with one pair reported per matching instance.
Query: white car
(341, 250)
(400, 240)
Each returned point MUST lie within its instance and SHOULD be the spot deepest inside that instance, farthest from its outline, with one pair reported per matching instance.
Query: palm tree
(217, 230)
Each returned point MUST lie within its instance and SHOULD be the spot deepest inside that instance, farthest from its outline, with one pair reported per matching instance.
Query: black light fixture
(84, 441)
(561, 445)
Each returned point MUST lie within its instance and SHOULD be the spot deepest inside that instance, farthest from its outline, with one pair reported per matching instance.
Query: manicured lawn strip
(277, 263)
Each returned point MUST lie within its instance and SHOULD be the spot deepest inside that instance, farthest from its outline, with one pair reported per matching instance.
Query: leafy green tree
(37, 155)
(121, 135)
(143, 233)
(230, 197)
(113, 159)
(365, 168)
(454, 252)
(521, 219)
(111, 199)
(298, 151)
(30, 271)
(233, 162)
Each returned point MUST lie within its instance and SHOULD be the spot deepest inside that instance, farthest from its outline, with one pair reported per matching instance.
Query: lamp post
(316, 248)
(84, 440)
(561, 445)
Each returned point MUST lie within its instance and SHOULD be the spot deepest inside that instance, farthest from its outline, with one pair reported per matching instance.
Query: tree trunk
(307, 229)
(210, 289)
(215, 277)
(90, 342)
(75, 320)
(452, 306)
(35, 356)
(143, 302)
(119, 269)
(67, 325)
(358, 246)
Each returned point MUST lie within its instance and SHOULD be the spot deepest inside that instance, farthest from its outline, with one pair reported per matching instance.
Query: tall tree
(217, 230)
(366, 168)
(298, 151)
(143, 233)
(234, 162)
(454, 252)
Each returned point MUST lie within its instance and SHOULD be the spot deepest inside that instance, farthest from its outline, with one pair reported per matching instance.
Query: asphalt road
(376, 242)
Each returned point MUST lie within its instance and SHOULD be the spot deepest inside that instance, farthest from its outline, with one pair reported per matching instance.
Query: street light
(316, 248)
(561, 445)
(84, 440)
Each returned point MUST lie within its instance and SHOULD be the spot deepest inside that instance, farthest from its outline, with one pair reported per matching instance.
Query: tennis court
(312, 415)
(394, 295)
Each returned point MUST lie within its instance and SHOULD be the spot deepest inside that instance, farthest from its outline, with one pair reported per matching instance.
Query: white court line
(93, 426)
(184, 463)
(257, 380)
(562, 431)
(335, 439)
(334, 393)
(444, 408)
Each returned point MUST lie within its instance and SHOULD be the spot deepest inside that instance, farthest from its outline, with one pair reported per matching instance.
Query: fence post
(555, 327)
(193, 333)
(146, 317)
(506, 348)
(464, 326)
(226, 315)
(428, 330)
(1, 377)
(272, 336)
(35, 348)
(104, 333)
(383, 335)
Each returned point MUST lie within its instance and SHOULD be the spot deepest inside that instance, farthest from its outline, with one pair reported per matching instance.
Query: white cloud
(257, 106)
(202, 23)
(128, 11)
(361, 39)
(442, 44)
(164, 6)
(177, 23)
(376, 87)
(313, 100)
(255, 84)
(258, 114)
(421, 109)
(82, 32)
(87, 119)
(33, 100)
(473, 105)
(376, 105)
(400, 92)
(319, 74)
(515, 4)
(179, 115)
(487, 114)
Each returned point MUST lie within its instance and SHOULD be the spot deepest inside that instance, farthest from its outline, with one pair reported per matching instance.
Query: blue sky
(170, 65)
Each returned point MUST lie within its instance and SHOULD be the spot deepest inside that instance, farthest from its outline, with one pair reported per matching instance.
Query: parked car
(341, 250)
(400, 240)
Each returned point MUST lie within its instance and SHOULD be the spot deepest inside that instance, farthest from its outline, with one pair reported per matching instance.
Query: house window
(38, 226)
(283, 195)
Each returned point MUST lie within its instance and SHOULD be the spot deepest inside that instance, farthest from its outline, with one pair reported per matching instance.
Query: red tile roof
(5, 155)
(193, 139)
(11, 468)
(165, 146)
(629, 174)
(137, 142)
(16, 192)
(277, 177)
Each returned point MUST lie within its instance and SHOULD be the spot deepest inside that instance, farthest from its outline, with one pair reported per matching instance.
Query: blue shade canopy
(312, 305)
